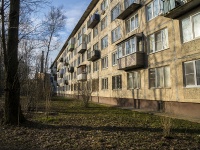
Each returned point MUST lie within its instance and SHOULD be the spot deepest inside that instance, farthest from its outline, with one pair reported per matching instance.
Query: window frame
(114, 58)
(153, 14)
(104, 62)
(128, 21)
(153, 41)
(191, 21)
(117, 82)
(156, 77)
(117, 6)
(117, 33)
(104, 42)
(195, 74)
(137, 75)
(104, 83)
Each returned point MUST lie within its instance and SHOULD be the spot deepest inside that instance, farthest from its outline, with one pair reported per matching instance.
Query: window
(133, 80)
(95, 66)
(83, 56)
(104, 84)
(83, 30)
(130, 46)
(159, 77)
(154, 9)
(190, 27)
(96, 46)
(104, 5)
(158, 41)
(116, 82)
(132, 23)
(104, 62)
(104, 23)
(89, 38)
(89, 68)
(192, 73)
(116, 34)
(95, 31)
(114, 58)
(115, 12)
(104, 42)
(95, 85)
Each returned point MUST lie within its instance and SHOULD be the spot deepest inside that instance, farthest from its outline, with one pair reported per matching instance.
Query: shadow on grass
(41, 126)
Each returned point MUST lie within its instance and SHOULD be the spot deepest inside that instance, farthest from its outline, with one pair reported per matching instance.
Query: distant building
(139, 53)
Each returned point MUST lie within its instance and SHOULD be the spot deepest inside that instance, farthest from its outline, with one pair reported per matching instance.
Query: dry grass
(71, 126)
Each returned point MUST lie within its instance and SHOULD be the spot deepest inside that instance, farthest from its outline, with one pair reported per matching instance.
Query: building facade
(139, 53)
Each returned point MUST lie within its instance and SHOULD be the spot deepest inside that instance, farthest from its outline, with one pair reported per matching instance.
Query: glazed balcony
(93, 21)
(132, 61)
(71, 44)
(81, 71)
(176, 8)
(128, 7)
(93, 55)
(82, 44)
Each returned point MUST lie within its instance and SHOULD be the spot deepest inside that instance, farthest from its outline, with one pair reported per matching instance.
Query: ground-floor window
(159, 77)
(104, 83)
(192, 73)
(133, 80)
(117, 82)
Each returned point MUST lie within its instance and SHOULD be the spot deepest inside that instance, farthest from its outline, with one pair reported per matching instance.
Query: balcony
(71, 69)
(129, 7)
(93, 21)
(175, 8)
(71, 44)
(81, 71)
(82, 77)
(82, 45)
(93, 55)
(132, 61)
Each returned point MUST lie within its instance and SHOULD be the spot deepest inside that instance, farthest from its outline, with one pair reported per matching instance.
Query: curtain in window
(160, 77)
(151, 78)
(133, 45)
(149, 12)
(128, 47)
(196, 21)
(198, 71)
(130, 80)
(189, 73)
(167, 81)
(151, 43)
(164, 38)
(158, 41)
(186, 30)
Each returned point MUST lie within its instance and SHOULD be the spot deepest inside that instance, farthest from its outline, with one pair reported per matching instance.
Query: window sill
(191, 40)
(116, 89)
(154, 88)
(159, 51)
(114, 65)
(191, 87)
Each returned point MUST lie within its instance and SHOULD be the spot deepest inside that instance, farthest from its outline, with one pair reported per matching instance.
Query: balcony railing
(129, 6)
(132, 61)
(71, 44)
(82, 77)
(176, 8)
(93, 55)
(93, 21)
(82, 45)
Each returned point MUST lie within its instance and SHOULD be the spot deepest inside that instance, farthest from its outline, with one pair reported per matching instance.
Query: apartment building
(139, 53)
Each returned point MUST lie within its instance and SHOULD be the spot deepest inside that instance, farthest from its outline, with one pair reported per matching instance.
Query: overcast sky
(74, 9)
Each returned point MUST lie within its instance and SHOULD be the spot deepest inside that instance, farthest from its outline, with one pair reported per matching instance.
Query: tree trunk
(13, 114)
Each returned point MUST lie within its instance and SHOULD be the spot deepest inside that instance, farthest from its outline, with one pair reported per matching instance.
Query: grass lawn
(71, 126)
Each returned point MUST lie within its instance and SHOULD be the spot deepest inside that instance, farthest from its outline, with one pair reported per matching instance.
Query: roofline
(78, 25)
